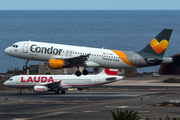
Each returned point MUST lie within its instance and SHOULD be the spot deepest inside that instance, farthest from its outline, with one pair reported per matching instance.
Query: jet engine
(40, 88)
(58, 64)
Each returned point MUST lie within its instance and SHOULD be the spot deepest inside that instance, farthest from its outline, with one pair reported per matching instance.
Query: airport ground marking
(17, 100)
(93, 104)
(39, 116)
(147, 97)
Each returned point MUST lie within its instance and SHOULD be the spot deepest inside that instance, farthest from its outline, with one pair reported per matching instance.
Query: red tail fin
(107, 71)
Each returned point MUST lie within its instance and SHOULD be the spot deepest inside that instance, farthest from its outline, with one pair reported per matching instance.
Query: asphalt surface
(95, 103)
(138, 94)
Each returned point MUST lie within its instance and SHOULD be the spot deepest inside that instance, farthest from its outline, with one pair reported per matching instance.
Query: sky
(89, 4)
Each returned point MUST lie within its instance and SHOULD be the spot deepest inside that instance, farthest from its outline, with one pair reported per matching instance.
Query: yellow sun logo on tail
(158, 47)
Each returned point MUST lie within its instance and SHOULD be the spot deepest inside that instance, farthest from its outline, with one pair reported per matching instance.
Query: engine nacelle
(56, 64)
(40, 88)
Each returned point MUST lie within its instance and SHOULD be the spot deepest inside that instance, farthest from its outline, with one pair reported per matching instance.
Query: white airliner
(63, 56)
(44, 83)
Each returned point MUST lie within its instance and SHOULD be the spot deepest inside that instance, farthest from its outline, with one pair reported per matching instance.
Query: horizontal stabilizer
(154, 60)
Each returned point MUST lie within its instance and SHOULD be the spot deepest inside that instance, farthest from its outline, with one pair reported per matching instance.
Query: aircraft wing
(53, 85)
(74, 60)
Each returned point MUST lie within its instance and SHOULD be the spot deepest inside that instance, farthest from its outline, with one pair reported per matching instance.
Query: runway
(93, 104)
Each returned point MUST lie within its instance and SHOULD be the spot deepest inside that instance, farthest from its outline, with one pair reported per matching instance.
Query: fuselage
(66, 81)
(61, 56)
(98, 57)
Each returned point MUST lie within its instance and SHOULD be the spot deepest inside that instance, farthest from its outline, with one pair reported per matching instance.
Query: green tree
(125, 115)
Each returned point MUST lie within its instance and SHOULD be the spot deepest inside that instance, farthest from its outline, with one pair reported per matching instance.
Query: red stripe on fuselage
(24, 86)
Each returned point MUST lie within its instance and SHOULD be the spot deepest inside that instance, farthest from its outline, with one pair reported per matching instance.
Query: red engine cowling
(40, 88)
(58, 64)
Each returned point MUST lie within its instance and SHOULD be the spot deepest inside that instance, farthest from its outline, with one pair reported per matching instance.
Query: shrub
(125, 115)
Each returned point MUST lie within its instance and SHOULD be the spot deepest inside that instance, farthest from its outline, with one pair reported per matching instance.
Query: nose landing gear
(25, 67)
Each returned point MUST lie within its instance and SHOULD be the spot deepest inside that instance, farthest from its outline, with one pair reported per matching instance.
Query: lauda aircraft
(44, 83)
(64, 56)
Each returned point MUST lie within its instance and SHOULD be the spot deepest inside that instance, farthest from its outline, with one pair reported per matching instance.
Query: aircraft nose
(5, 83)
(7, 50)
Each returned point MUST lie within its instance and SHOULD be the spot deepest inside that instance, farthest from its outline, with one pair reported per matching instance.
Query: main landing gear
(25, 67)
(62, 92)
(20, 91)
(78, 73)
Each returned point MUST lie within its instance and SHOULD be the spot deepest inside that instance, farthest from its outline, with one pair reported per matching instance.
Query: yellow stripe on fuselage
(123, 56)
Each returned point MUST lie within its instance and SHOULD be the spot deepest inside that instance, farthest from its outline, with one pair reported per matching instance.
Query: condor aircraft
(44, 83)
(63, 56)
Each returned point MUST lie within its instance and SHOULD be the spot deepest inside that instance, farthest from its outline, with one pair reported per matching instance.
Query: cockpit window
(16, 46)
(10, 79)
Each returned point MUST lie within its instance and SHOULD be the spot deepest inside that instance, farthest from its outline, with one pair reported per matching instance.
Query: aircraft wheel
(78, 73)
(24, 67)
(19, 93)
(63, 92)
(56, 92)
(85, 72)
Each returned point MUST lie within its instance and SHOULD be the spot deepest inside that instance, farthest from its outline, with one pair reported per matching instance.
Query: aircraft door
(17, 81)
(135, 59)
(96, 79)
(25, 47)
